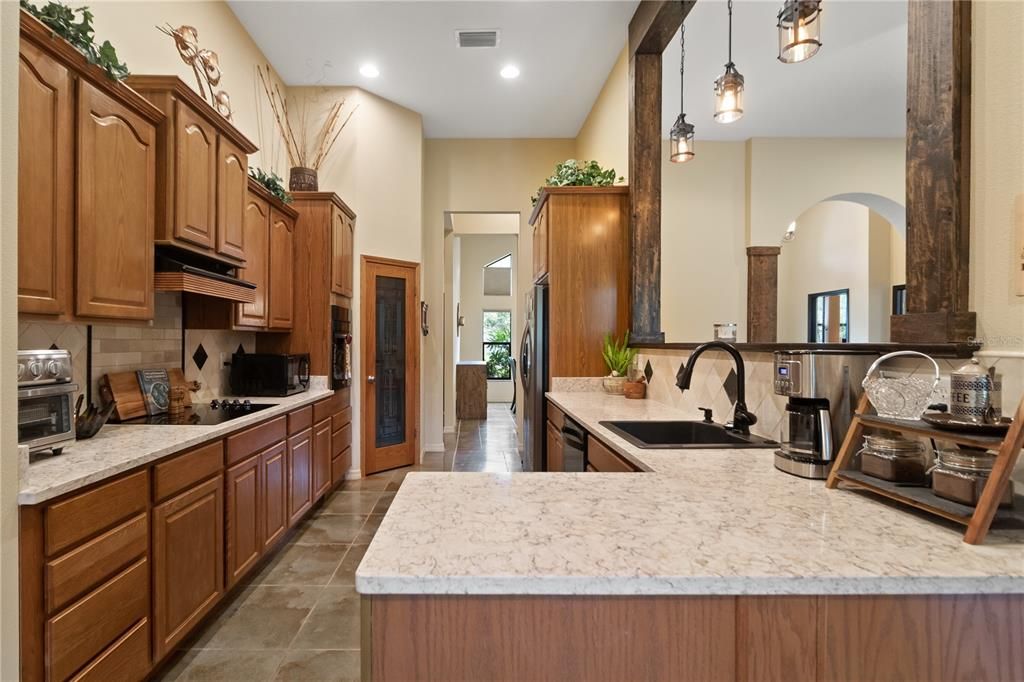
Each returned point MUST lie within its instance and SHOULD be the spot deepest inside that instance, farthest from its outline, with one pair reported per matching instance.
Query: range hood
(180, 270)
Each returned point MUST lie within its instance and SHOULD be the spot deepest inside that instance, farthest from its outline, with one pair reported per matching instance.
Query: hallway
(489, 445)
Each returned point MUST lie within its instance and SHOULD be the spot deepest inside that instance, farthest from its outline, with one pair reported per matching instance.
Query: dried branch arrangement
(303, 151)
(205, 64)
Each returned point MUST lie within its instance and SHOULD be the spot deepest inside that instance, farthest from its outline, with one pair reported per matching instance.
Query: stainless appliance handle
(524, 357)
(43, 391)
(825, 424)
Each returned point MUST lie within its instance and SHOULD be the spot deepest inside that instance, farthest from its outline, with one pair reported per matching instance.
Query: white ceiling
(855, 86)
(564, 51)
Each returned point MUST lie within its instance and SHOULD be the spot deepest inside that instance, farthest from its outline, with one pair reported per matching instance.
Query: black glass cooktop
(216, 412)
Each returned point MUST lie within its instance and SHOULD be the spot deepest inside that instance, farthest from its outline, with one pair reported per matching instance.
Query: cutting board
(124, 388)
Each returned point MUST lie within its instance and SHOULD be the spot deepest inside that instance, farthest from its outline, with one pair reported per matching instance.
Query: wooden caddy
(977, 520)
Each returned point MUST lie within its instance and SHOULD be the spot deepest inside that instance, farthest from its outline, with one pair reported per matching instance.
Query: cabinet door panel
(232, 190)
(274, 463)
(115, 212)
(195, 172)
(300, 470)
(188, 553)
(257, 262)
(321, 458)
(556, 460)
(338, 229)
(540, 245)
(348, 256)
(243, 523)
(45, 183)
(282, 259)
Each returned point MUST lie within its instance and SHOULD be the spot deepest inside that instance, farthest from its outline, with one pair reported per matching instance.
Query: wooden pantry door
(390, 363)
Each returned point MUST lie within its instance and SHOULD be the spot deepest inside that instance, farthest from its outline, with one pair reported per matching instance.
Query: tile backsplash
(125, 346)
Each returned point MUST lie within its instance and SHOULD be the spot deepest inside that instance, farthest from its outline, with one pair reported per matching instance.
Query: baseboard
(449, 429)
(434, 447)
(353, 474)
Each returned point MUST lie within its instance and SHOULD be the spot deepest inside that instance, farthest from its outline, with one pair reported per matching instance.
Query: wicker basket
(903, 396)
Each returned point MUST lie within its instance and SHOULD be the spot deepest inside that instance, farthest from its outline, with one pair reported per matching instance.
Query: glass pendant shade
(729, 95)
(799, 30)
(681, 141)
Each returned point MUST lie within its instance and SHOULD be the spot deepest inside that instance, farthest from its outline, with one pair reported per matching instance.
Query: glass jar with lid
(961, 475)
(900, 460)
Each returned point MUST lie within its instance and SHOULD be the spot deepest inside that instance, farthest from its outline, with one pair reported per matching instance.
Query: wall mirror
(816, 166)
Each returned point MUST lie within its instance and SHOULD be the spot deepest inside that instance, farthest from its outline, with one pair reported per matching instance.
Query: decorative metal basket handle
(887, 356)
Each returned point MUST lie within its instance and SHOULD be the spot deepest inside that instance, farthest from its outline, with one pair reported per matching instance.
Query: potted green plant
(573, 173)
(618, 356)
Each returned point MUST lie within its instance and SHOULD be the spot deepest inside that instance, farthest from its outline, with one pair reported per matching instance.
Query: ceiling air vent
(477, 38)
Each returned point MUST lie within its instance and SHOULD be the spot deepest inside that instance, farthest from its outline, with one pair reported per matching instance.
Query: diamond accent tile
(648, 371)
(731, 385)
(200, 357)
(240, 349)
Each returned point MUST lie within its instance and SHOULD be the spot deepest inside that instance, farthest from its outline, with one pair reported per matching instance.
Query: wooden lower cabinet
(601, 458)
(321, 458)
(188, 557)
(556, 459)
(300, 475)
(274, 465)
(243, 522)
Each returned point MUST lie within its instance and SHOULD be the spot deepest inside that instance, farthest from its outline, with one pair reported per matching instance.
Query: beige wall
(8, 340)
(604, 136)
(474, 175)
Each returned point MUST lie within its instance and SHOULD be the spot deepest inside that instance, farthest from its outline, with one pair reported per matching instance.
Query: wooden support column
(938, 174)
(650, 30)
(762, 293)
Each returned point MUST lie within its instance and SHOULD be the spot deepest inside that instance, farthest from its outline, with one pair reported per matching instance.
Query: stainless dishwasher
(574, 446)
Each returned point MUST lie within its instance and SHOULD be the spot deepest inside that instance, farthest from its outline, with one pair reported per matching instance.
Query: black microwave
(269, 374)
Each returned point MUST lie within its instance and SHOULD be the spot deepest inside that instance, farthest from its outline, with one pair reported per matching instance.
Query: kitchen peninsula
(705, 565)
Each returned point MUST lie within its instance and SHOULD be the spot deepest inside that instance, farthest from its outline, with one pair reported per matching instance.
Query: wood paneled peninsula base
(704, 565)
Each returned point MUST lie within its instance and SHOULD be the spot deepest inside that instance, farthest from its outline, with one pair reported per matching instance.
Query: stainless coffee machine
(823, 387)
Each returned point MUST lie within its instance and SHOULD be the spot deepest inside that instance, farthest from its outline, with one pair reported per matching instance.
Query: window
(899, 299)
(828, 315)
(498, 277)
(498, 344)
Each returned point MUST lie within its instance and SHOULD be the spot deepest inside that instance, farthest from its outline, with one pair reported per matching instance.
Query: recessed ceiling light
(369, 70)
(510, 71)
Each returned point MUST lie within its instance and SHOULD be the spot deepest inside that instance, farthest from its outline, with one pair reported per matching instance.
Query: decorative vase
(636, 390)
(302, 180)
(613, 384)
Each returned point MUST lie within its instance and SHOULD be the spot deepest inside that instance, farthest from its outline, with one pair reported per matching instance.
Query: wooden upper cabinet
(202, 178)
(282, 267)
(540, 245)
(257, 264)
(232, 192)
(45, 182)
(115, 187)
(195, 178)
(342, 251)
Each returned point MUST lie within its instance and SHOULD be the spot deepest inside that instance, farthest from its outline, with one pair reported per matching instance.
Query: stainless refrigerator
(533, 367)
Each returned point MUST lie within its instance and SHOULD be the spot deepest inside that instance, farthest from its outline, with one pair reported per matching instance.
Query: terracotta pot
(613, 385)
(636, 390)
(302, 180)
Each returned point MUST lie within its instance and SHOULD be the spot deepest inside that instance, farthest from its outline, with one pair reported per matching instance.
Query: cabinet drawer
(257, 439)
(341, 440)
(186, 470)
(340, 465)
(603, 459)
(556, 417)
(300, 420)
(82, 516)
(89, 565)
(327, 408)
(125, 659)
(341, 418)
(93, 623)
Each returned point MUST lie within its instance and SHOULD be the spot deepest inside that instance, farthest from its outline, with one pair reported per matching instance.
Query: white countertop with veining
(120, 447)
(697, 522)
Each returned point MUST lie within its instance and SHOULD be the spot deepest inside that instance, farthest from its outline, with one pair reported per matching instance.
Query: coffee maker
(823, 387)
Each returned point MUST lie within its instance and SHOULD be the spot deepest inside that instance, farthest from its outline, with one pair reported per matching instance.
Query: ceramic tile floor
(297, 618)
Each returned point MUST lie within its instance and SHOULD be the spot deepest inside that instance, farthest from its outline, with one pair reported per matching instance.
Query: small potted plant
(618, 356)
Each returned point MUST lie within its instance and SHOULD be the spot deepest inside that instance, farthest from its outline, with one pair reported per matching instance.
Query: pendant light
(729, 88)
(681, 135)
(799, 30)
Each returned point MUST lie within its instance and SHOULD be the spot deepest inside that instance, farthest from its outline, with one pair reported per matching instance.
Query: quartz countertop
(120, 447)
(721, 522)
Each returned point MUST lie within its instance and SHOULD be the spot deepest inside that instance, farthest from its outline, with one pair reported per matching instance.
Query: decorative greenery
(573, 173)
(272, 182)
(61, 19)
(618, 355)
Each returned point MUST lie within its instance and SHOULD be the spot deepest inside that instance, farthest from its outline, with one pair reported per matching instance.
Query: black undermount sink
(684, 435)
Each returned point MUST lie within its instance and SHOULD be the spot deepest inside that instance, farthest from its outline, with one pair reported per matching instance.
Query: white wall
(9, 476)
(476, 252)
